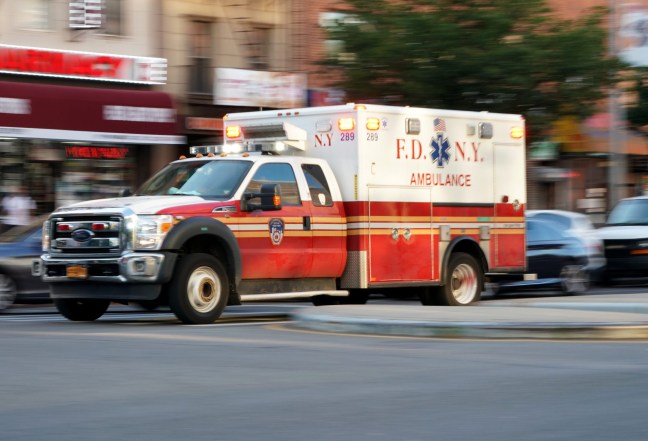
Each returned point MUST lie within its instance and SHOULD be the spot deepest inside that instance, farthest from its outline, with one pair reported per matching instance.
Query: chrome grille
(86, 235)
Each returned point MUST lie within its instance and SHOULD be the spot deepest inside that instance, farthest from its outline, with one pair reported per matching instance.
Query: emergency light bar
(267, 138)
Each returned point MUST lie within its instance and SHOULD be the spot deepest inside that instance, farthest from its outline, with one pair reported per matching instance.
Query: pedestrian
(18, 207)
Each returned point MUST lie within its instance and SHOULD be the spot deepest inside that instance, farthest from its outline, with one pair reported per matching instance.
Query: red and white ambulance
(327, 203)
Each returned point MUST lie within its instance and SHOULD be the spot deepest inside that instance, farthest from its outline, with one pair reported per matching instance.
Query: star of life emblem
(440, 150)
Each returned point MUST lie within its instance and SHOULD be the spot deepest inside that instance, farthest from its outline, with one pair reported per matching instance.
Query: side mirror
(125, 192)
(270, 196)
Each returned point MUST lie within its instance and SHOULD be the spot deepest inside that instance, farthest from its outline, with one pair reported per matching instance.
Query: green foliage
(637, 114)
(509, 56)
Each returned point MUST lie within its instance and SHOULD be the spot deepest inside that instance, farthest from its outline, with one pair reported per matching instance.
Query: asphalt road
(144, 376)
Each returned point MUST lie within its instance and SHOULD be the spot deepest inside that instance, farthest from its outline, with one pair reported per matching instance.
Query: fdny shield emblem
(276, 231)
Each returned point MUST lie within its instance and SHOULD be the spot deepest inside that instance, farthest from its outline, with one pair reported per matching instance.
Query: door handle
(307, 223)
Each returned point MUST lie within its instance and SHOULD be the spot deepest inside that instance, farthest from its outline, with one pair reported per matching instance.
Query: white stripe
(453, 225)
(76, 135)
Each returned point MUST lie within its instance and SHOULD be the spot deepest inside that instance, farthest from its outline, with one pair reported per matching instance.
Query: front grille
(619, 249)
(86, 235)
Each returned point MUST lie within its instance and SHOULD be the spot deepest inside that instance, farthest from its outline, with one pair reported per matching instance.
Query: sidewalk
(623, 316)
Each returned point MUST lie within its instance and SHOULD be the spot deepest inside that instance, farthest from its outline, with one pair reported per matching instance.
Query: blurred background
(97, 95)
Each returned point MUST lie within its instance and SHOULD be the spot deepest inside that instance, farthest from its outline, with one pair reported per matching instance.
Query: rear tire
(82, 310)
(462, 284)
(199, 290)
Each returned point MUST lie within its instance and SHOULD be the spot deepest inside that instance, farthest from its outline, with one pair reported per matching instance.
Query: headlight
(45, 236)
(149, 231)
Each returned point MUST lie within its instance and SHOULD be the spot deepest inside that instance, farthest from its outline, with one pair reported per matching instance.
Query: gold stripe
(436, 219)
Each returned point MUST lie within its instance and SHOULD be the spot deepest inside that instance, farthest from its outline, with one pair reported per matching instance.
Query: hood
(135, 204)
(623, 232)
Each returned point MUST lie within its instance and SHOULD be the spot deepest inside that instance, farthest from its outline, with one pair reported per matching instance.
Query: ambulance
(326, 203)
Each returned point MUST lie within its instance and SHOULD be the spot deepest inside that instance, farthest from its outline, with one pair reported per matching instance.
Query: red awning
(87, 114)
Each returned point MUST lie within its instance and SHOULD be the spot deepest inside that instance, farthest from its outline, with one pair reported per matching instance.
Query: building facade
(82, 114)
(231, 55)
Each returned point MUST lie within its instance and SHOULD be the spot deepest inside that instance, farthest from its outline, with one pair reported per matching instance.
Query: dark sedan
(559, 260)
(18, 248)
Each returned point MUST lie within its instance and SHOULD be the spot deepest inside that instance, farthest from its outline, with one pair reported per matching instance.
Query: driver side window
(281, 174)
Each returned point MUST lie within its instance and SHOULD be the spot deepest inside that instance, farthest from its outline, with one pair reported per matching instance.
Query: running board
(291, 295)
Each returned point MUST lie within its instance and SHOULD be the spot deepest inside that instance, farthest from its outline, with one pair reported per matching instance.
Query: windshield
(630, 212)
(216, 179)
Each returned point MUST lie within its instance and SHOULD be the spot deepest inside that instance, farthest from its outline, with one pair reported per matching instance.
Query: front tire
(8, 292)
(462, 284)
(574, 279)
(82, 310)
(199, 290)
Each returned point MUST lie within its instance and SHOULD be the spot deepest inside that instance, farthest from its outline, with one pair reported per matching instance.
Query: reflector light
(346, 123)
(517, 132)
(360, 107)
(233, 131)
(99, 226)
(63, 227)
(276, 200)
(373, 123)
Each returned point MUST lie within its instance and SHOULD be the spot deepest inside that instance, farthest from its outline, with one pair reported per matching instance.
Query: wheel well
(468, 246)
(217, 247)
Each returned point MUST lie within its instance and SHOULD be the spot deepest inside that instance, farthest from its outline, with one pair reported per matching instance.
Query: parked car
(578, 225)
(625, 240)
(18, 248)
(559, 259)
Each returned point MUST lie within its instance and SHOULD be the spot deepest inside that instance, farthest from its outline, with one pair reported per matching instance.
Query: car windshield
(217, 179)
(629, 212)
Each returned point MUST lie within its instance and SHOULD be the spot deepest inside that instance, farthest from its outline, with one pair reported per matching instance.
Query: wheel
(199, 290)
(462, 284)
(8, 291)
(82, 310)
(574, 279)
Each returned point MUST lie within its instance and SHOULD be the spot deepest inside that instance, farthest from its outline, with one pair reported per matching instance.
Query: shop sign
(211, 124)
(86, 14)
(543, 151)
(82, 65)
(92, 152)
(252, 88)
(139, 114)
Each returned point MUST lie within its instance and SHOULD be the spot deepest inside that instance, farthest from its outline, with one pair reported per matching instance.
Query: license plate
(76, 272)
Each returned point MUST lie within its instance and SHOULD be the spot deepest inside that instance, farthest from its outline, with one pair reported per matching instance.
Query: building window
(113, 17)
(259, 47)
(200, 77)
(35, 14)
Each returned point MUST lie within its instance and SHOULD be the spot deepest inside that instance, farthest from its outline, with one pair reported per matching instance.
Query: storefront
(67, 144)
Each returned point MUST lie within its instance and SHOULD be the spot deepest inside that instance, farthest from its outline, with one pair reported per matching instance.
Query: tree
(637, 113)
(507, 56)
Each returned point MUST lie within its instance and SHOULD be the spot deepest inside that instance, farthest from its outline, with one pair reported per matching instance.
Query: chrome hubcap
(464, 283)
(204, 289)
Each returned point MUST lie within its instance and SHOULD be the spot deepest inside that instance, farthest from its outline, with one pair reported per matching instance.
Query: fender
(465, 244)
(201, 225)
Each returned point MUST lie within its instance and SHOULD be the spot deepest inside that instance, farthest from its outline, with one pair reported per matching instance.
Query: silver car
(578, 225)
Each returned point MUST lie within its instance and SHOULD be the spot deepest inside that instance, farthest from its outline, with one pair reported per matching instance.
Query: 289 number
(347, 136)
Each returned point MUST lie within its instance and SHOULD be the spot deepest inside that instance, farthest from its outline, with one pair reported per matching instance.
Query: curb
(583, 325)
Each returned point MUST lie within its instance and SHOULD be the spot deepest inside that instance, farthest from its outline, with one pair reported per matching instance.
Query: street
(142, 375)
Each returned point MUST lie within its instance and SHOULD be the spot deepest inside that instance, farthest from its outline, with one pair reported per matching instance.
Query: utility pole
(616, 143)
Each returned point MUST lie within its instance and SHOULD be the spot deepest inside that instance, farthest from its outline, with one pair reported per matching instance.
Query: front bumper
(131, 267)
